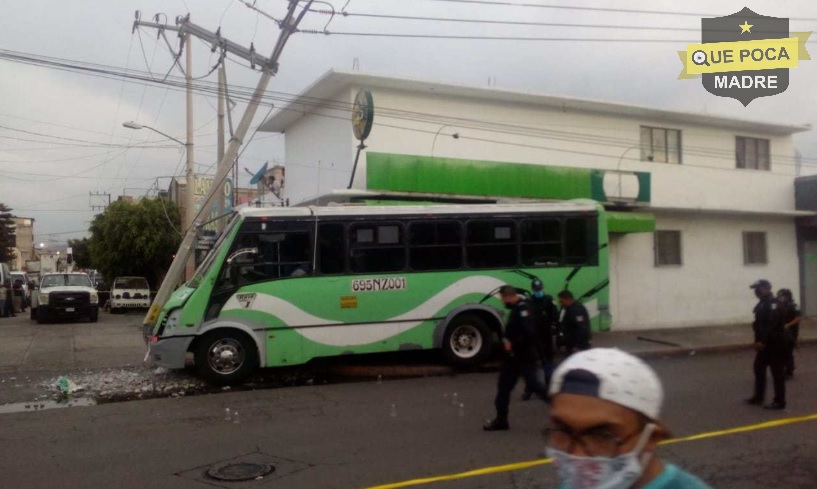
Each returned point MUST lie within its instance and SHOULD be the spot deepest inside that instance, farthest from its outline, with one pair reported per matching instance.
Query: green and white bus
(283, 286)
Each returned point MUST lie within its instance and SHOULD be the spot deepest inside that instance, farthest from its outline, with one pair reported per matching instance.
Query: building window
(435, 245)
(752, 153)
(754, 248)
(491, 244)
(377, 248)
(660, 145)
(667, 248)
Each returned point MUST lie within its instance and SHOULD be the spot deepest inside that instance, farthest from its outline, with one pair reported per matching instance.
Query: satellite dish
(259, 175)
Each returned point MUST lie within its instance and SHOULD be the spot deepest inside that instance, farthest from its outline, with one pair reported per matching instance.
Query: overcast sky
(52, 182)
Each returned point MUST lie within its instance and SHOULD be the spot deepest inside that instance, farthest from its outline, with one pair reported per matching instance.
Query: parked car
(21, 276)
(65, 295)
(129, 293)
(5, 289)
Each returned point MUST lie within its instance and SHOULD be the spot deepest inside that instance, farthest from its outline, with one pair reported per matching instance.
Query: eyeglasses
(595, 442)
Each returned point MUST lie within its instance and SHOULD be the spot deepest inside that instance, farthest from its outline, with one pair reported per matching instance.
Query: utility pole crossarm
(215, 40)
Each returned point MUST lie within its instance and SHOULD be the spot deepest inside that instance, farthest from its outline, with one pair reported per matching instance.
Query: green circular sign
(363, 114)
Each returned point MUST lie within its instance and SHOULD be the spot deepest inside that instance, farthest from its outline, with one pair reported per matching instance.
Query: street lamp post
(190, 199)
(455, 135)
(133, 125)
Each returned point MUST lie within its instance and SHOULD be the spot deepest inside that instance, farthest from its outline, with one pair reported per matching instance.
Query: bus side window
(580, 241)
(377, 248)
(331, 249)
(541, 242)
(435, 245)
(491, 244)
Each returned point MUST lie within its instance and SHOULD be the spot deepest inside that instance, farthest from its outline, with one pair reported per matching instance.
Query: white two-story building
(704, 205)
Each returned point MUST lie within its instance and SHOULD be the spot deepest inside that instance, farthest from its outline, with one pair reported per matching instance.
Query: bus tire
(225, 357)
(468, 340)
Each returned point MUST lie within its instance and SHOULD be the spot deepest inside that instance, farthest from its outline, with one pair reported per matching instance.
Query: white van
(129, 293)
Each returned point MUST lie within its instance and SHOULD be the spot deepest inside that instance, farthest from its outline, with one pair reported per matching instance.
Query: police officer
(520, 356)
(791, 323)
(770, 345)
(575, 323)
(545, 316)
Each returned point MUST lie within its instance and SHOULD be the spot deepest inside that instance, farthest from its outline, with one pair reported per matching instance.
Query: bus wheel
(467, 340)
(225, 357)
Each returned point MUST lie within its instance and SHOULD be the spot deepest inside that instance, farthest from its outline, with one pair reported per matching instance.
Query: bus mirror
(243, 251)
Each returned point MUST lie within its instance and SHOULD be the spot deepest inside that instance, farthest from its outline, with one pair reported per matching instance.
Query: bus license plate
(69, 309)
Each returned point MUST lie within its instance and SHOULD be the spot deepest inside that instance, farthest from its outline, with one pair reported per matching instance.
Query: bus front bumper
(169, 352)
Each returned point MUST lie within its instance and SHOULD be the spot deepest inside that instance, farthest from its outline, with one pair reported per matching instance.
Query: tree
(135, 239)
(7, 235)
(81, 252)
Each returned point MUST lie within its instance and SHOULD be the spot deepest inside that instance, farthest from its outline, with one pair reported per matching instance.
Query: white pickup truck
(64, 295)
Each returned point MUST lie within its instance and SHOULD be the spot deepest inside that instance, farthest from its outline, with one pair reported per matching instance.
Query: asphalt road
(359, 435)
(114, 341)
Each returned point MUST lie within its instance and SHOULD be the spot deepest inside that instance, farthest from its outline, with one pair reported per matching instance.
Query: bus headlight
(94, 298)
(43, 299)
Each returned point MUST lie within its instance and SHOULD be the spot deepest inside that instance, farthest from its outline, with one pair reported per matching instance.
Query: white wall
(708, 178)
(712, 285)
(319, 152)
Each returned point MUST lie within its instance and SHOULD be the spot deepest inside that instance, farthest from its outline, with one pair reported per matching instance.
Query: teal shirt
(674, 478)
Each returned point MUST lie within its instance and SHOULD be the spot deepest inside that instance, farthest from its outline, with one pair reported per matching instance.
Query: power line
(240, 93)
(87, 141)
(64, 126)
(505, 3)
(118, 104)
(502, 22)
(492, 38)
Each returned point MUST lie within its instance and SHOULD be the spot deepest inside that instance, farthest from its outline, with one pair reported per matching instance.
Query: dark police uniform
(545, 319)
(789, 312)
(576, 328)
(520, 361)
(768, 329)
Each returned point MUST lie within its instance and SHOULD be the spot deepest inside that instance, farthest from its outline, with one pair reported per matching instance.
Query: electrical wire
(86, 141)
(503, 22)
(119, 101)
(144, 54)
(505, 3)
(243, 93)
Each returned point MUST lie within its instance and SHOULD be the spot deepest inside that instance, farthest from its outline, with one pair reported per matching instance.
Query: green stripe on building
(423, 174)
(630, 222)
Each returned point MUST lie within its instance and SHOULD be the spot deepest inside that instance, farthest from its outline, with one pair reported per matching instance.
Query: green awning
(630, 222)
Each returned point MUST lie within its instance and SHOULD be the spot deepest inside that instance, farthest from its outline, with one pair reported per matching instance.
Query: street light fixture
(134, 125)
(455, 135)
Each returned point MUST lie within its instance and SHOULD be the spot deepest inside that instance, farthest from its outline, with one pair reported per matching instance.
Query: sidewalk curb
(438, 370)
(681, 351)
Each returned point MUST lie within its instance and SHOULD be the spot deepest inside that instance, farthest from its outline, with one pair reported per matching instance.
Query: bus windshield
(131, 283)
(211, 256)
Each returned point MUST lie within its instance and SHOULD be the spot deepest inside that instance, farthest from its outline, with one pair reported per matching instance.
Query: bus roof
(389, 210)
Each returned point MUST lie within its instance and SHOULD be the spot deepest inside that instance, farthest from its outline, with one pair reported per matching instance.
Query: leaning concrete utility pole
(288, 25)
(190, 170)
(222, 82)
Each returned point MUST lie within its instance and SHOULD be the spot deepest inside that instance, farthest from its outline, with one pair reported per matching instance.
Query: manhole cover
(239, 471)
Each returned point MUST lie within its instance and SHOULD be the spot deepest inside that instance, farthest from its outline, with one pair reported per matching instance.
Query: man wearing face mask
(545, 316)
(519, 359)
(604, 426)
(770, 345)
